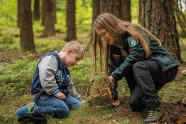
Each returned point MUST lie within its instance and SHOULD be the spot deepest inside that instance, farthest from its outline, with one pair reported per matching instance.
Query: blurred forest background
(31, 28)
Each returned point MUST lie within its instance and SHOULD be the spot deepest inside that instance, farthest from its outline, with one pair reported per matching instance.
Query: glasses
(103, 34)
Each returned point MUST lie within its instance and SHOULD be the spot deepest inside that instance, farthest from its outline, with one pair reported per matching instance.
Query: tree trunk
(36, 9)
(158, 17)
(95, 9)
(112, 6)
(140, 11)
(49, 18)
(18, 13)
(26, 31)
(126, 8)
(119, 8)
(43, 11)
(54, 12)
(71, 21)
(95, 13)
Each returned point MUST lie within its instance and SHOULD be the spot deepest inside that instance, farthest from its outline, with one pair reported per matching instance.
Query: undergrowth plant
(16, 78)
(8, 43)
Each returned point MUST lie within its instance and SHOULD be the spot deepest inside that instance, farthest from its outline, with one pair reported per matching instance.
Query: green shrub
(8, 14)
(8, 42)
(49, 45)
(81, 73)
(16, 78)
(173, 91)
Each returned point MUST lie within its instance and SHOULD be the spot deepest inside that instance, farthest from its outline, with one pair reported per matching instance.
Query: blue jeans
(50, 105)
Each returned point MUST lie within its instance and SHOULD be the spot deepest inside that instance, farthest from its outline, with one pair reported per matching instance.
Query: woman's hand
(111, 79)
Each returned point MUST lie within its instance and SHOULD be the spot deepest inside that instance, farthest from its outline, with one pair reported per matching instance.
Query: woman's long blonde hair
(116, 28)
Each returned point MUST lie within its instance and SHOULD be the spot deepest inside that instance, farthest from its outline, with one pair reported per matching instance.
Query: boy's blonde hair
(76, 48)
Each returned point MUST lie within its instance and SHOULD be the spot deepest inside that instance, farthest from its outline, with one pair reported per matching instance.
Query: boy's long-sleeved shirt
(52, 76)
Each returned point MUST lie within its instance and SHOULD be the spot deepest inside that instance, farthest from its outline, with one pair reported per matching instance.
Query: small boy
(52, 87)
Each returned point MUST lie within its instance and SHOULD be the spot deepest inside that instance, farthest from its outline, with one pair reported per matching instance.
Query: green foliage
(173, 91)
(81, 73)
(61, 5)
(83, 15)
(8, 14)
(49, 45)
(183, 55)
(8, 42)
(16, 78)
(134, 11)
(37, 28)
(61, 22)
(123, 89)
(183, 48)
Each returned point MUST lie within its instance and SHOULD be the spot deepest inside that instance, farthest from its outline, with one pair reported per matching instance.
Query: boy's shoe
(115, 103)
(25, 110)
(153, 116)
(31, 104)
(35, 117)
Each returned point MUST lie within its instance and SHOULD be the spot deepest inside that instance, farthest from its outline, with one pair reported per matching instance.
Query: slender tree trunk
(95, 9)
(18, 13)
(36, 9)
(140, 11)
(71, 21)
(158, 17)
(112, 6)
(26, 31)
(126, 8)
(43, 11)
(119, 8)
(50, 18)
(95, 13)
(54, 12)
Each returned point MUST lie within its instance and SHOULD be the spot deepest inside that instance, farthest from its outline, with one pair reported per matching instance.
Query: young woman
(131, 51)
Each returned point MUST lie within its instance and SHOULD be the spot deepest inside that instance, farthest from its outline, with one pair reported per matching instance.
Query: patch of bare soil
(57, 36)
(173, 113)
(5, 58)
(100, 96)
(13, 56)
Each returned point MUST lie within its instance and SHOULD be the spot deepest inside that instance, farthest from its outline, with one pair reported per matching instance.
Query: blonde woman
(131, 51)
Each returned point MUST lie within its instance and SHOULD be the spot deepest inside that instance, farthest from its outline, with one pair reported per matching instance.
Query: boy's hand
(61, 96)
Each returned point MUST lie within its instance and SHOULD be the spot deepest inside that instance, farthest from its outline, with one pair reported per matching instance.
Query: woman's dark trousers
(145, 79)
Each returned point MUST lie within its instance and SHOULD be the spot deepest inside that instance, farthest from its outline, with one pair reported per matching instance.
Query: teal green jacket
(136, 53)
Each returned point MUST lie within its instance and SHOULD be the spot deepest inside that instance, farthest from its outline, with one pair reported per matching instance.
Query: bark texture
(36, 9)
(26, 30)
(158, 17)
(71, 21)
(50, 18)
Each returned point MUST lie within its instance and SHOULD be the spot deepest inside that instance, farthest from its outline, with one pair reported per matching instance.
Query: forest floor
(175, 112)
